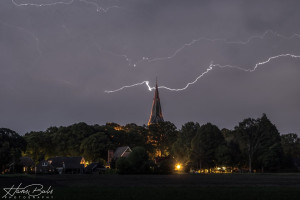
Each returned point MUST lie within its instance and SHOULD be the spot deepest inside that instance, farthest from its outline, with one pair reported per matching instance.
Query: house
(24, 164)
(95, 168)
(61, 165)
(44, 167)
(118, 153)
(27, 164)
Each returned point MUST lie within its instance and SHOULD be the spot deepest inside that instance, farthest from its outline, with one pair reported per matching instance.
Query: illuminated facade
(156, 112)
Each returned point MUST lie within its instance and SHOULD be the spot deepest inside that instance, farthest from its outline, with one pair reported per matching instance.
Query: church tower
(156, 113)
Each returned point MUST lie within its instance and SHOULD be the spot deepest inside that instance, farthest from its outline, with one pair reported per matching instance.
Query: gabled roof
(56, 161)
(26, 161)
(69, 162)
(122, 152)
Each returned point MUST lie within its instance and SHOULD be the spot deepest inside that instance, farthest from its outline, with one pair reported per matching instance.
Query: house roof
(73, 162)
(122, 152)
(94, 166)
(26, 161)
(45, 165)
(70, 162)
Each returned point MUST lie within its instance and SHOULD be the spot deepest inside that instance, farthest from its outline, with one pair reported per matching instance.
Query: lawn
(213, 186)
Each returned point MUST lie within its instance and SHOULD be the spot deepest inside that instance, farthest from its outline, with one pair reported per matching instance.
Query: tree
(182, 148)
(250, 138)
(123, 166)
(291, 144)
(162, 136)
(11, 147)
(76, 133)
(205, 145)
(139, 160)
(291, 148)
(95, 147)
(270, 152)
(130, 135)
(37, 145)
(233, 156)
(136, 163)
(223, 155)
(260, 140)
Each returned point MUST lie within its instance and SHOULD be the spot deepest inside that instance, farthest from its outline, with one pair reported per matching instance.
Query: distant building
(156, 112)
(45, 167)
(24, 164)
(61, 164)
(118, 153)
(122, 152)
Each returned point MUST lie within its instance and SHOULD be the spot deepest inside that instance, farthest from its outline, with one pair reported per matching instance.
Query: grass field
(209, 186)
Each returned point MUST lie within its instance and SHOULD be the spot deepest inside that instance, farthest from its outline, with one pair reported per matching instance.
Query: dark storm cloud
(56, 62)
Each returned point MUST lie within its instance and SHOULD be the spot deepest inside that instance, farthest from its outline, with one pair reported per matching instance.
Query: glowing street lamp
(178, 167)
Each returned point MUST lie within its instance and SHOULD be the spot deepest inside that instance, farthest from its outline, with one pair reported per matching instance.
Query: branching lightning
(194, 41)
(210, 67)
(147, 59)
(99, 8)
(43, 4)
(69, 2)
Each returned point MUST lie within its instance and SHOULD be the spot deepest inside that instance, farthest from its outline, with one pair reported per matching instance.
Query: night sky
(58, 57)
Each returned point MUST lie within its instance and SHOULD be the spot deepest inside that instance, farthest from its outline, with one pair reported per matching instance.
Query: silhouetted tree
(260, 140)
(94, 148)
(38, 144)
(11, 147)
(291, 149)
(136, 163)
(129, 135)
(250, 138)
(205, 145)
(270, 152)
(162, 136)
(182, 148)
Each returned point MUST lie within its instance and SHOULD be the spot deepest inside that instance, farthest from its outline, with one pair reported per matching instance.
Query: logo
(32, 191)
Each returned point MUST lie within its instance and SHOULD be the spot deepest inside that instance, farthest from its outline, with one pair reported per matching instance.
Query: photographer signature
(32, 190)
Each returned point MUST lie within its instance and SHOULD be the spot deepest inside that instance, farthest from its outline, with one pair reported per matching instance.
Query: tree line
(254, 144)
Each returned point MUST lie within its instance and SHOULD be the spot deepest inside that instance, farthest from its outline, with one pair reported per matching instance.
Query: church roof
(156, 112)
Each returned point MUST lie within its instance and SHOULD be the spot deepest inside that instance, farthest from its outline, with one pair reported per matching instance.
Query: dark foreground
(213, 186)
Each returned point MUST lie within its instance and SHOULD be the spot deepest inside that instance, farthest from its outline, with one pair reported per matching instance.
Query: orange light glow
(118, 128)
(178, 167)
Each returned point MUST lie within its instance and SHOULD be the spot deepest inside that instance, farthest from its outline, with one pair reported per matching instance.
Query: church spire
(156, 112)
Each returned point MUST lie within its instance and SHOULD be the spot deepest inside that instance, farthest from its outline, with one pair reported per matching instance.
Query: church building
(156, 112)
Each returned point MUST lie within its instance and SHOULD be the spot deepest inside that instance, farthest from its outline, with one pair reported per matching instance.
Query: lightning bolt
(44, 4)
(147, 59)
(98, 7)
(210, 67)
(195, 41)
